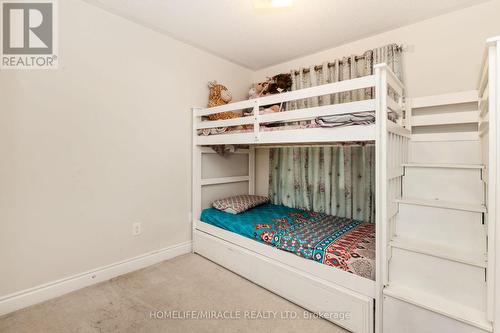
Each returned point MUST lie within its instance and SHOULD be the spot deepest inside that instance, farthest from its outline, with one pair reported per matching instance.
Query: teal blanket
(245, 223)
(331, 240)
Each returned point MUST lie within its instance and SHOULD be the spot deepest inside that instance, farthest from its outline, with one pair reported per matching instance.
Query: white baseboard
(22, 299)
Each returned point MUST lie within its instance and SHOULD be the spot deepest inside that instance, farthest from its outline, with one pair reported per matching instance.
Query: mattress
(335, 241)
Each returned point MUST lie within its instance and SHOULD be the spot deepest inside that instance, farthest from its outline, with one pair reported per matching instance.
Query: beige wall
(97, 145)
(444, 52)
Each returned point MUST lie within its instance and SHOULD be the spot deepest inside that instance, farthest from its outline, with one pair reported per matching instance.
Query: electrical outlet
(136, 229)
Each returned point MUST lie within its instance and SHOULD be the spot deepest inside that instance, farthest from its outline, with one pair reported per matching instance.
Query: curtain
(344, 69)
(392, 55)
(338, 180)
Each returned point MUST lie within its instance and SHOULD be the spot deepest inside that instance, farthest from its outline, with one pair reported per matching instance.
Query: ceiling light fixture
(267, 4)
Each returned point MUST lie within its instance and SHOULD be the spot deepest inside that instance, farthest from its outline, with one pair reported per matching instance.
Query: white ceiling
(236, 31)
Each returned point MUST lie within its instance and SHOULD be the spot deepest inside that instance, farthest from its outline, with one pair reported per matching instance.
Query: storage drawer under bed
(343, 307)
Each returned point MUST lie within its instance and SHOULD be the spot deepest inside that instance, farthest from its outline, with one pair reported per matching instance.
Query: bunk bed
(349, 300)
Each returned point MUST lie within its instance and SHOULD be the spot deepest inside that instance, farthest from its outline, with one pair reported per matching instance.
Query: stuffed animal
(272, 109)
(257, 90)
(280, 83)
(273, 85)
(252, 93)
(219, 95)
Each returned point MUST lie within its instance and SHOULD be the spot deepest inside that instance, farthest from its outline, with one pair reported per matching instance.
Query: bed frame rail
(257, 120)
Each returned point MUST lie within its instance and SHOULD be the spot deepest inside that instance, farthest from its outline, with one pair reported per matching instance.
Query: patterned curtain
(339, 70)
(338, 180)
(392, 55)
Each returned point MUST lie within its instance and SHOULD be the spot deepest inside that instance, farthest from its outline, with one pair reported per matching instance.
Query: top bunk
(353, 121)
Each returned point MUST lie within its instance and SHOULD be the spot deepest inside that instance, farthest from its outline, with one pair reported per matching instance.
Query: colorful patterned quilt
(335, 241)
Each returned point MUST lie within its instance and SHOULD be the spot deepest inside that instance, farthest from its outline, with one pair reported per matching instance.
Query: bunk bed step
(461, 97)
(400, 316)
(443, 204)
(453, 280)
(445, 152)
(455, 229)
(444, 166)
(442, 306)
(449, 118)
(453, 136)
(447, 184)
(439, 251)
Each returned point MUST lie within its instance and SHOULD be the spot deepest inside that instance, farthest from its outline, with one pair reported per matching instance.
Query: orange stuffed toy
(219, 95)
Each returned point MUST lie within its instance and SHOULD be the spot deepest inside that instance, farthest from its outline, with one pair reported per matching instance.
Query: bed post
(196, 178)
(408, 113)
(493, 203)
(381, 191)
(256, 120)
(251, 170)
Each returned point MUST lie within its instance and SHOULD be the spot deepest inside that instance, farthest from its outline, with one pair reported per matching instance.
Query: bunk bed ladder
(442, 248)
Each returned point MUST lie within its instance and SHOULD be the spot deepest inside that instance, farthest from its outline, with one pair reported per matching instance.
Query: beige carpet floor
(187, 283)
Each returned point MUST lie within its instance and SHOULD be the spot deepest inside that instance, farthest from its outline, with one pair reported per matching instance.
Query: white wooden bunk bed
(344, 298)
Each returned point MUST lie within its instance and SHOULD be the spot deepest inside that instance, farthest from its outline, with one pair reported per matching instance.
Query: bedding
(239, 203)
(351, 119)
(359, 118)
(340, 120)
(335, 241)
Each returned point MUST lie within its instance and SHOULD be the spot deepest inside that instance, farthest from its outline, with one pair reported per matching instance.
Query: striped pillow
(239, 203)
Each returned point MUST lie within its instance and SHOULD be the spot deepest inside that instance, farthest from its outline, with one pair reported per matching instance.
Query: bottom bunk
(315, 260)
(324, 263)
(340, 242)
